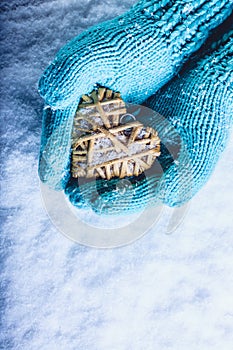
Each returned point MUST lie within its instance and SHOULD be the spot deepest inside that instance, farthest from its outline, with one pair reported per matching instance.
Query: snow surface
(162, 292)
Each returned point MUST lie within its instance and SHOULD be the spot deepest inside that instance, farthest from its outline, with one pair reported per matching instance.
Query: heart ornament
(104, 144)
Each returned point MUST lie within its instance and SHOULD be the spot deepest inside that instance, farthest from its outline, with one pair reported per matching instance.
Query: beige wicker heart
(102, 146)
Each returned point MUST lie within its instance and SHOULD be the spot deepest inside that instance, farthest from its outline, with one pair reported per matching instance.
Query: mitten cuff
(184, 25)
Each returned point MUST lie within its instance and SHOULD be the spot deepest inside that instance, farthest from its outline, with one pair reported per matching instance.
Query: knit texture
(137, 54)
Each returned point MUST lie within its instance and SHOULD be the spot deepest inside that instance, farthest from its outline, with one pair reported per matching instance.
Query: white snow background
(162, 292)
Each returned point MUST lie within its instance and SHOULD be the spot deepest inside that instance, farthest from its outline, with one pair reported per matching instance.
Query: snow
(162, 292)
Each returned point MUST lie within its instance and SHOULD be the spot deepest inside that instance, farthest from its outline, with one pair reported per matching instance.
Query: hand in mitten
(136, 54)
(199, 104)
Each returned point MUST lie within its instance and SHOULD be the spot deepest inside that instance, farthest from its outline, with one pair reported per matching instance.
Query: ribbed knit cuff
(184, 25)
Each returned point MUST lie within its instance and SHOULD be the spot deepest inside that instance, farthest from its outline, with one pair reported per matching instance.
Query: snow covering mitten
(136, 54)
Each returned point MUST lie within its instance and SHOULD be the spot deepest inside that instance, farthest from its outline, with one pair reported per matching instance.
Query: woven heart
(102, 146)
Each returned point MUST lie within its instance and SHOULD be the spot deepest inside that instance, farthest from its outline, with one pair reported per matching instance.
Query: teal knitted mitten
(199, 104)
(136, 54)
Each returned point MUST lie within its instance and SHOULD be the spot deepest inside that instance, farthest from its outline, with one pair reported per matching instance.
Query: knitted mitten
(136, 54)
(199, 104)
